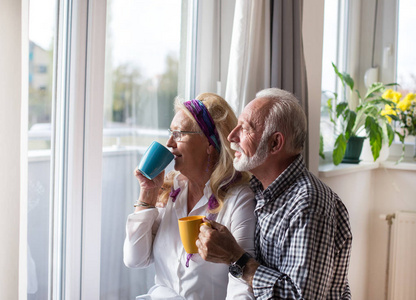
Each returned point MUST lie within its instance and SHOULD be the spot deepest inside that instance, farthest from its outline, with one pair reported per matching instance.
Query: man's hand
(217, 244)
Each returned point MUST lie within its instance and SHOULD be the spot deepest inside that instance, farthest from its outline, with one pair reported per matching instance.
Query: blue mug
(156, 158)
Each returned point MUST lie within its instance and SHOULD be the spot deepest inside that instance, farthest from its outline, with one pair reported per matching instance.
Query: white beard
(245, 163)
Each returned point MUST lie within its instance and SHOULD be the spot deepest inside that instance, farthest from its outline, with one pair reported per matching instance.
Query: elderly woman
(204, 183)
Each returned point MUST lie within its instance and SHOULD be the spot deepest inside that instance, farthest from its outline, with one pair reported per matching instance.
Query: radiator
(402, 270)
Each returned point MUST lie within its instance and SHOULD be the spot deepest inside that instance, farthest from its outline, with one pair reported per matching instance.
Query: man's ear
(277, 142)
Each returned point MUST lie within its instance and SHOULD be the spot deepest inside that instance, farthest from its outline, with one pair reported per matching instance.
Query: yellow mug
(189, 231)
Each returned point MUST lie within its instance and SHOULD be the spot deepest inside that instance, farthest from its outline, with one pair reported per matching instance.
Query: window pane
(406, 43)
(142, 59)
(41, 39)
(334, 51)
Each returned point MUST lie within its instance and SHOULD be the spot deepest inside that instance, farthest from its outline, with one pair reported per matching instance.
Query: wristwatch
(236, 268)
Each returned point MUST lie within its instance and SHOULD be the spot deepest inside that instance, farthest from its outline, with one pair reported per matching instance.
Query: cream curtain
(249, 65)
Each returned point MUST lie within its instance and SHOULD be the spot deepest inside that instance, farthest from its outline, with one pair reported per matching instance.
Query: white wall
(359, 205)
(393, 190)
(10, 172)
(367, 195)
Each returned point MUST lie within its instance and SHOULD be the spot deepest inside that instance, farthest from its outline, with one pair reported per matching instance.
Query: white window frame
(77, 139)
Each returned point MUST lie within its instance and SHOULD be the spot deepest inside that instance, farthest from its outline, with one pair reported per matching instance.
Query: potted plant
(356, 122)
(403, 111)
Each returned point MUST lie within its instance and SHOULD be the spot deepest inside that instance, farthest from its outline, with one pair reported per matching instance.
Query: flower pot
(353, 151)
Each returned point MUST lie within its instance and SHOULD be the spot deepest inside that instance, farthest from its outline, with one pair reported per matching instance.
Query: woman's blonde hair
(224, 176)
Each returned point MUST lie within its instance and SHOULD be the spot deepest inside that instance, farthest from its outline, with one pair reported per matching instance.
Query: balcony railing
(119, 191)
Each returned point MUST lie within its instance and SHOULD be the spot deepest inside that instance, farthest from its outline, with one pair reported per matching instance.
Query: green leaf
(321, 146)
(373, 111)
(350, 117)
(375, 133)
(401, 137)
(329, 103)
(339, 149)
(394, 117)
(390, 134)
(376, 87)
(381, 101)
(392, 84)
(359, 96)
(346, 79)
(340, 108)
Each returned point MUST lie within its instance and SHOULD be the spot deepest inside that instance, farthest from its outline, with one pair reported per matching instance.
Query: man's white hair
(286, 116)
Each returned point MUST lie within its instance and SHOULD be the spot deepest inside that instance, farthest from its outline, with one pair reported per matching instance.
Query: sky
(143, 32)
(41, 22)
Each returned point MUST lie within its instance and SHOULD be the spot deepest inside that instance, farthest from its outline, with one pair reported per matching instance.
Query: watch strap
(242, 261)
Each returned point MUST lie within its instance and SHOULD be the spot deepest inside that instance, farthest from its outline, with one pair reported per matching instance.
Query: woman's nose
(171, 142)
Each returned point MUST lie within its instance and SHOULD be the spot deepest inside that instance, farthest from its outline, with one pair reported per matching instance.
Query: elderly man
(303, 236)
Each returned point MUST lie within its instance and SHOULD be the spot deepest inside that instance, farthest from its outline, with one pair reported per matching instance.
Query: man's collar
(281, 183)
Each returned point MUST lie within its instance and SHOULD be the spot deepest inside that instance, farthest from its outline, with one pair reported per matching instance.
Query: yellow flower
(410, 97)
(404, 104)
(388, 110)
(388, 94)
(396, 97)
(392, 95)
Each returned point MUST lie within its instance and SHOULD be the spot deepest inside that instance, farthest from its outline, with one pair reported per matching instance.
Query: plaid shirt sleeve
(311, 266)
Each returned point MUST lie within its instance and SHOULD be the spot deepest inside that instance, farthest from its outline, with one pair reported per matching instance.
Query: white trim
(94, 99)
(58, 153)
(330, 170)
(84, 146)
(313, 19)
(23, 246)
(191, 45)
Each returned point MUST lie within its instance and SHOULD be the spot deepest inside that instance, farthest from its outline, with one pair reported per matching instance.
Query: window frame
(76, 156)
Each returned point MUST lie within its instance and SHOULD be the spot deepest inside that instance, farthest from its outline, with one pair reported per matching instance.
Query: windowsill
(328, 169)
(331, 170)
(408, 164)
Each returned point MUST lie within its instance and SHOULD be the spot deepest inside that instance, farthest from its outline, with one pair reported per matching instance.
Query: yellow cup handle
(206, 223)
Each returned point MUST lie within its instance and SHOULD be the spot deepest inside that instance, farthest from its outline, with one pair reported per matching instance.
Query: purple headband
(205, 122)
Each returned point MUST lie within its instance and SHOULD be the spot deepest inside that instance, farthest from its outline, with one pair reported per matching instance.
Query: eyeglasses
(177, 134)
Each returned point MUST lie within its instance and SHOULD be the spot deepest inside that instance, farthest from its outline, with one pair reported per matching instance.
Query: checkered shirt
(303, 238)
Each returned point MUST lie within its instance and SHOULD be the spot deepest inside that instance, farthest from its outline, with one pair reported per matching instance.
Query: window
(142, 80)
(406, 43)
(41, 36)
(406, 59)
(76, 236)
(334, 51)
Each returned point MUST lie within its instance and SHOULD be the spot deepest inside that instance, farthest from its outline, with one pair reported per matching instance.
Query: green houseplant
(360, 119)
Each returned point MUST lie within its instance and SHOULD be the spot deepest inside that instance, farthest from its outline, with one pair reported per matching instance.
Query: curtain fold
(288, 69)
(267, 51)
(249, 65)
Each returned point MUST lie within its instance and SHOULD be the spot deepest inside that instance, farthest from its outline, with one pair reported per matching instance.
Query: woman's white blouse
(152, 235)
